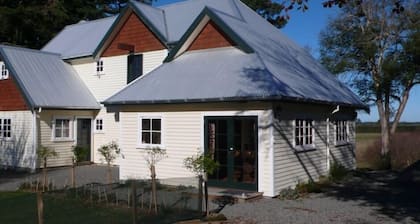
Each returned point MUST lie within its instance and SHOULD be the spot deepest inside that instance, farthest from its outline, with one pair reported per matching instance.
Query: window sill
(149, 146)
(99, 74)
(98, 132)
(62, 140)
(337, 144)
(6, 140)
(304, 148)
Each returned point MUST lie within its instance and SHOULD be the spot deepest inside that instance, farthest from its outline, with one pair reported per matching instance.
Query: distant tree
(378, 47)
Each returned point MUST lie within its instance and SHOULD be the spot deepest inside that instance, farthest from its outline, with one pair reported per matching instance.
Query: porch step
(239, 196)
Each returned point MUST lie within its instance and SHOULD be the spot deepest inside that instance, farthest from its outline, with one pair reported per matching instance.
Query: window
(99, 125)
(341, 134)
(151, 131)
(135, 67)
(5, 128)
(100, 67)
(62, 129)
(304, 134)
(4, 72)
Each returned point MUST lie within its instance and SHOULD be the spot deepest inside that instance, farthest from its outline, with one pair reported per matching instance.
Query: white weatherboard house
(208, 75)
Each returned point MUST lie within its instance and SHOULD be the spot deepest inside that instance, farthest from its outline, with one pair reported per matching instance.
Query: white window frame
(97, 125)
(140, 143)
(4, 72)
(2, 128)
(304, 147)
(99, 67)
(71, 129)
(336, 127)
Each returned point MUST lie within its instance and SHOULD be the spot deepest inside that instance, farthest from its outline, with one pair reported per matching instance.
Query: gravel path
(366, 197)
(316, 209)
(60, 176)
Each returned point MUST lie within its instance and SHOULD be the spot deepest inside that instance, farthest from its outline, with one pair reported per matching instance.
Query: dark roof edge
(16, 79)
(235, 99)
(66, 107)
(219, 22)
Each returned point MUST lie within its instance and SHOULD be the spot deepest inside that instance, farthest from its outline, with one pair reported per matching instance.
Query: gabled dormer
(208, 31)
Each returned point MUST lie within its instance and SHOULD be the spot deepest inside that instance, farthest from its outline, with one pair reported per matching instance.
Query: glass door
(233, 142)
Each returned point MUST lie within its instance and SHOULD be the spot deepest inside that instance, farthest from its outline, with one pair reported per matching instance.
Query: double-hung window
(5, 128)
(341, 132)
(4, 72)
(62, 129)
(100, 67)
(99, 125)
(150, 131)
(304, 134)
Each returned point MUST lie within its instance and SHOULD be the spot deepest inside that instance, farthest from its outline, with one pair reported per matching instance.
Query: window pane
(156, 125)
(58, 132)
(145, 137)
(66, 133)
(145, 124)
(155, 137)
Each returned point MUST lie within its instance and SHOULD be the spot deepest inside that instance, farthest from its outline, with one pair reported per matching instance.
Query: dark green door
(233, 142)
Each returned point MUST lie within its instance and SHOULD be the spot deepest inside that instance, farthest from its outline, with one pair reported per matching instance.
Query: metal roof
(81, 39)
(278, 68)
(46, 81)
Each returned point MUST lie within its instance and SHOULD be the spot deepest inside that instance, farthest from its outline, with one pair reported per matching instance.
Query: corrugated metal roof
(47, 81)
(81, 39)
(279, 69)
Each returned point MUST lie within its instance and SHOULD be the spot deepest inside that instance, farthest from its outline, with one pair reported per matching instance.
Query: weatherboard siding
(11, 98)
(110, 132)
(211, 36)
(114, 76)
(183, 136)
(291, 168)
(18, 151)
(133, 32)
(344, 154)
(63, 148)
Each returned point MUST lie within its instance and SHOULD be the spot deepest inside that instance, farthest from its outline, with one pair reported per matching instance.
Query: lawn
(20, 207)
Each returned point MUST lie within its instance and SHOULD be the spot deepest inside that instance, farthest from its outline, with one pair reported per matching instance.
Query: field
(368, 133)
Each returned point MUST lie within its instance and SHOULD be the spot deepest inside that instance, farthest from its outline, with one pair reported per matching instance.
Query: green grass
(20, 207)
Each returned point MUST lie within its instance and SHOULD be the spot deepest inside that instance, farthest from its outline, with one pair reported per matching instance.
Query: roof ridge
(85, 22)
(29, 49)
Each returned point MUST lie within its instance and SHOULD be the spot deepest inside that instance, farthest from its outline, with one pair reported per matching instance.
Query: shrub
(337, 172)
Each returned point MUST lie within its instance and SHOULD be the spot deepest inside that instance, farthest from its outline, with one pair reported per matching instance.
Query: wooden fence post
(134, 199)
(40, 206)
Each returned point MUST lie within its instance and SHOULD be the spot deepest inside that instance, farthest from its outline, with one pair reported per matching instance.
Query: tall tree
(377, 46)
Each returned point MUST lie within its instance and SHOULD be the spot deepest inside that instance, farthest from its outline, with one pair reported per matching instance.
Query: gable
(11, 98)
(211, 36)
(133, 32)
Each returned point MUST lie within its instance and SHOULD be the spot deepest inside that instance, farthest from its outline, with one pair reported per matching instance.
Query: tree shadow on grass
(381, 189)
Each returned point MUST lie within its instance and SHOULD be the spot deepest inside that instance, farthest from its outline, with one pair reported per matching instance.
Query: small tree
(79, 154)
(45, 153)
(109, 152)
(202, 165)
(153, 156)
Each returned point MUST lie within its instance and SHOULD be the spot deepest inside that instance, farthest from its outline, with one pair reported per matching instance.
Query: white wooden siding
(18, 151)
(114, 76)
(290, 167)
(63, 148)
(110, 132)
(183, 133)
(344, 154)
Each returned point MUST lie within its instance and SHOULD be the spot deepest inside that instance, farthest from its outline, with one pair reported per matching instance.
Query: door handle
(231, 149)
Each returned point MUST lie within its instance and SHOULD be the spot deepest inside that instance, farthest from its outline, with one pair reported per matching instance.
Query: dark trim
(220, 23)
(230, 163)
(236, 99)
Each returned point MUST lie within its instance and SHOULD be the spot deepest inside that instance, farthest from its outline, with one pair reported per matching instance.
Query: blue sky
(304, 29)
